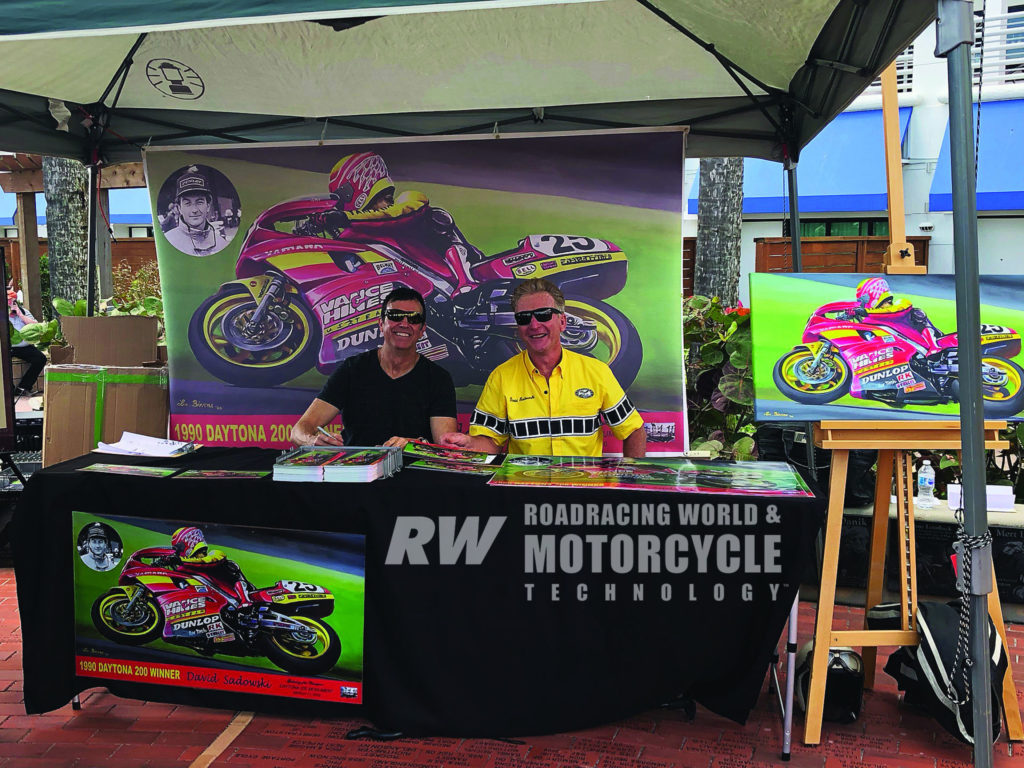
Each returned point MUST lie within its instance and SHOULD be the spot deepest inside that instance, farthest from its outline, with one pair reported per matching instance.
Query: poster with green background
(597, 213)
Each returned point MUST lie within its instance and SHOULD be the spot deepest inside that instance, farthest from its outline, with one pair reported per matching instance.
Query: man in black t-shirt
(386, 396)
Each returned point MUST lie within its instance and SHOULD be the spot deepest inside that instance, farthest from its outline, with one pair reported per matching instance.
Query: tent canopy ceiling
(749, 78)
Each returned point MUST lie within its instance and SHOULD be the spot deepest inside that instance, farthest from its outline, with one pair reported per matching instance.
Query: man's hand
(467, 442)
(331, 438)
(456, 440)
(401, 442)
(306, 430)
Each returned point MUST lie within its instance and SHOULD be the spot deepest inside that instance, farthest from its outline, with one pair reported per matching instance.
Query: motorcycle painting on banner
(219, 607)
(274, 261)
(849, 346)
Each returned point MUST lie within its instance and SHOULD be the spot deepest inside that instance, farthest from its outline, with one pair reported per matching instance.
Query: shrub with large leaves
(719, 382)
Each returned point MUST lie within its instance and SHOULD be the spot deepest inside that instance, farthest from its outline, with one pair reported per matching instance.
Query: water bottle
(925, 486)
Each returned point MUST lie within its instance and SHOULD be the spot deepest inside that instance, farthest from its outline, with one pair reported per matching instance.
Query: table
(461, 648)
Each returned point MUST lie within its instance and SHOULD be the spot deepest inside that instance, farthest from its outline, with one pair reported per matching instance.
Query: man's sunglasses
(542, 314)
(398, 315)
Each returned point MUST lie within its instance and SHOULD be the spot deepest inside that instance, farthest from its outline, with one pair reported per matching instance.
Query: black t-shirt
(374, 407)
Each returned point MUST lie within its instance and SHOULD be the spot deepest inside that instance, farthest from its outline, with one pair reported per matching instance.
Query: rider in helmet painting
(366, 205)
(876, 299)
(193, 554)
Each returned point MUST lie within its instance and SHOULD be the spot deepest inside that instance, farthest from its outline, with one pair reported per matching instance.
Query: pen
(323, 432)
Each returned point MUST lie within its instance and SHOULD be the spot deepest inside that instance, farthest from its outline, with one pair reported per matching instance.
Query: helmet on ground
(874, 291)
(188, 541)
(357, 179)
(844, 683)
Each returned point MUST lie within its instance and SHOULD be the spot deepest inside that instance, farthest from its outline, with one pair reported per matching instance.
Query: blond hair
(538, 285)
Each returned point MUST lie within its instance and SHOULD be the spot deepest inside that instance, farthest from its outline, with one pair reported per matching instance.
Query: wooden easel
(892, 440)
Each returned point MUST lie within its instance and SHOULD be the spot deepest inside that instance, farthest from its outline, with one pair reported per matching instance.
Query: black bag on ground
(923, 671)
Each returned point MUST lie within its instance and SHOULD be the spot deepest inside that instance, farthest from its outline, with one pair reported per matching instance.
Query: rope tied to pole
(964, 545)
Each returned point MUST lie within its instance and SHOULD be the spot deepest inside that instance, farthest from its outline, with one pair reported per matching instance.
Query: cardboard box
(999, 498)
(122, 340)
(85, 404)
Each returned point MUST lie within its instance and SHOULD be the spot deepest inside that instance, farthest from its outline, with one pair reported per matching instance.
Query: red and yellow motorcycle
(310, 282)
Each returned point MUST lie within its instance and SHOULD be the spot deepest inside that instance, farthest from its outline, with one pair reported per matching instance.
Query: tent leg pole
(93, 171)
(798, 266)
(956, 19)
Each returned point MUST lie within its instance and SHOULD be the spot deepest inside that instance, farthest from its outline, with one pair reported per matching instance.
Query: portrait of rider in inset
(201, 207)
(99, 547)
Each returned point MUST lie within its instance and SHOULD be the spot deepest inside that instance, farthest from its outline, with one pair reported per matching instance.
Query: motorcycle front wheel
(798, 379)
(1002, 387)
(599, 330)
(137, 625)
(311, 651)
(285, 345)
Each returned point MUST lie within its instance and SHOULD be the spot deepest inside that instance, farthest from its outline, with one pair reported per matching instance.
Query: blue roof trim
(1000, 176)
(843, 169)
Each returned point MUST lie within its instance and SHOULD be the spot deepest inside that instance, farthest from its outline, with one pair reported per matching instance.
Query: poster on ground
(274, 260)
(847, 346)
(145, 613)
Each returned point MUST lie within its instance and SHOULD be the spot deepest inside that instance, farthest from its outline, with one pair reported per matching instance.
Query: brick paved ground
(124, 733)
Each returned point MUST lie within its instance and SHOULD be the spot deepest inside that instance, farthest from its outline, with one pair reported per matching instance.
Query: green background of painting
(492, 220)
(780, 306)
(261, 569)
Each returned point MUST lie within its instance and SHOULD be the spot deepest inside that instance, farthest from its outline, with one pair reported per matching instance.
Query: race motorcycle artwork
(310, 283)
(159, 597)
(899, 359)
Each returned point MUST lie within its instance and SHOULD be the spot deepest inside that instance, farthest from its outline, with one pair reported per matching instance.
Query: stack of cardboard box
(114, 382)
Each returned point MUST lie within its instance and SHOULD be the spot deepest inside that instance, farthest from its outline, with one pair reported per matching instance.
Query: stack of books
(330, 464)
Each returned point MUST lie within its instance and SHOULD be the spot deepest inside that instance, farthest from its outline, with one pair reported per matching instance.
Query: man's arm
(464, 441)
(305, 430)
(441, 426)
(635, 445)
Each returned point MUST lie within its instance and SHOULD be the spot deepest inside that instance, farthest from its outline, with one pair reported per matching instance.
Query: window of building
(839, 227)
(140, 231)
(11, 232)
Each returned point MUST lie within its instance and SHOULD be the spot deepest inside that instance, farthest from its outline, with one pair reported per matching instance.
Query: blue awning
(843, 169)
(1000, 176)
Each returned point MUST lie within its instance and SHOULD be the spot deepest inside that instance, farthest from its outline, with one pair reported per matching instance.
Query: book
(133, 444)
(222, 474)
(421, 455)
(350, 464)
(126, 469)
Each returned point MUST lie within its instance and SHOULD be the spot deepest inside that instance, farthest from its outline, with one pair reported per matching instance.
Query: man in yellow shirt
(547, 400)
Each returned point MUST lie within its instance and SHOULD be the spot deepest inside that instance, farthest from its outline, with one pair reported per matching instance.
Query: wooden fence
(831, 254)
(135, 251)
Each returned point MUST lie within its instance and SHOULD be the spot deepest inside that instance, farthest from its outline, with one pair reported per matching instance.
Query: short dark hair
(402, 293)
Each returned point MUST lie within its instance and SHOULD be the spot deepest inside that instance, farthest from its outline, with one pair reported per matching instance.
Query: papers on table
(132, 444)
(422, 455)
(125, 469)
(330, 464)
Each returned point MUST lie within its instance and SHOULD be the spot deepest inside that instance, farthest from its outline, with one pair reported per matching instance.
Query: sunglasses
(398, 315)
(543, 314)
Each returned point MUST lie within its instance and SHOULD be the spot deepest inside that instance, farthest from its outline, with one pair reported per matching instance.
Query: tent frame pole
(954, 37)
(92, 234)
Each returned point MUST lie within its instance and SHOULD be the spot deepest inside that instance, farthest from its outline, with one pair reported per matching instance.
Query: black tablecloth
(459, 648)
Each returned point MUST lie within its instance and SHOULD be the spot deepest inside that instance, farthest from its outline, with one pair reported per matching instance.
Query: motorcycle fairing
(595, 267)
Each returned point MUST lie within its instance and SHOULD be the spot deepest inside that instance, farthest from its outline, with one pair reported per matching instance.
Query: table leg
(791, 641)
(876, 560)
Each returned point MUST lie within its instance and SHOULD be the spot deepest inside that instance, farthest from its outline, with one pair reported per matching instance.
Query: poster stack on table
(751, 478)
(330, 464)
(421, 455)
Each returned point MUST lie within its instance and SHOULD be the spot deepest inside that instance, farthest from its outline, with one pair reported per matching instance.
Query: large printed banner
(146, 613)
(274, 261)
(847, 346)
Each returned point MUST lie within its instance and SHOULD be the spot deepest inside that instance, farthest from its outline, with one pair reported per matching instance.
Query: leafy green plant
(136, 292)
(1002, 467)
(719, 381)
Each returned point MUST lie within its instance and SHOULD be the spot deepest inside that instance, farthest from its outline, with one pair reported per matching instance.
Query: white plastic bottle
(925, 486)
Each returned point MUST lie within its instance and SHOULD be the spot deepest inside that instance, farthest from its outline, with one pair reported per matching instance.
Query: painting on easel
(852, 346)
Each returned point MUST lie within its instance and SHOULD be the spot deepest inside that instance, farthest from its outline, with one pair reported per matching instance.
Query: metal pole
(794, 245)
(955, 35)
(93, 170)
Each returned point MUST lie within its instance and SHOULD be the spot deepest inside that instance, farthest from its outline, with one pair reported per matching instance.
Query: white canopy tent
(749, 78)
(103, 80)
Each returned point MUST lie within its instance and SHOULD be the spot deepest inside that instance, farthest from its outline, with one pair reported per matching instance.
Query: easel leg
(1014, 728)
(826, 597)
(876, 569)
